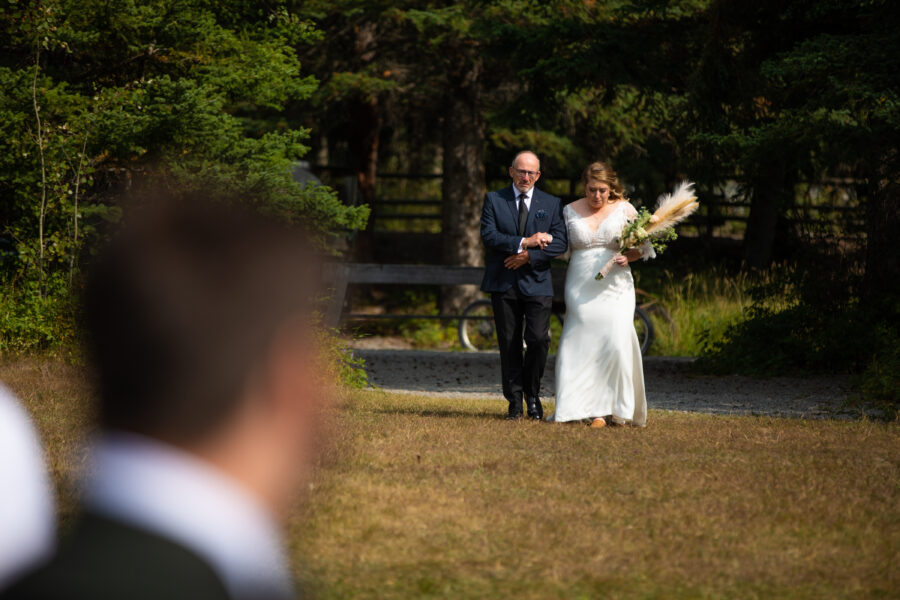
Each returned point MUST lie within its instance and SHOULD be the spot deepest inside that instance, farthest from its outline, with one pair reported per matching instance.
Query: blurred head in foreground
(197, 322)
(197, 318)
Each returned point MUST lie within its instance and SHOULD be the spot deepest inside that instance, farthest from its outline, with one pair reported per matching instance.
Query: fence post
(339, 276)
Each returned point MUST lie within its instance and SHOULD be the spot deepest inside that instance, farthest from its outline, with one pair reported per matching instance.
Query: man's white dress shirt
(159, 488)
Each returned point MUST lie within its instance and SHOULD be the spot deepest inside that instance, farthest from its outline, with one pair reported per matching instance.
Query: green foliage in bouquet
(635, 233)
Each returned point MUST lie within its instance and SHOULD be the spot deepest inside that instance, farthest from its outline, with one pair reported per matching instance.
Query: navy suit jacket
(104, 559)
(499, 223)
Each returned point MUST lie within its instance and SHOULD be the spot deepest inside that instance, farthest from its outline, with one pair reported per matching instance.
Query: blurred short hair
(180, 307)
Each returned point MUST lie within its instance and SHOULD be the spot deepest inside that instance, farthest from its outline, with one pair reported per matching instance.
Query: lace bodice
(581, 237)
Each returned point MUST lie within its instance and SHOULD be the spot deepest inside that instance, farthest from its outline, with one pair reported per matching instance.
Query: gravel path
(669, 385)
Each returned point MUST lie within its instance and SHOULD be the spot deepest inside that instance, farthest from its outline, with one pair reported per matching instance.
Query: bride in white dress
(599, 372)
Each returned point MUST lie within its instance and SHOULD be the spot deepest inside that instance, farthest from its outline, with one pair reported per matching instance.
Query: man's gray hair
(520, 153)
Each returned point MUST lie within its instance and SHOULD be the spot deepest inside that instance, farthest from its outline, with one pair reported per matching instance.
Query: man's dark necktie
(523, 214)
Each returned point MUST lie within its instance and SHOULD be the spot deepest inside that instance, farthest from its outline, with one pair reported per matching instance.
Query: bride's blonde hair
(601, 173)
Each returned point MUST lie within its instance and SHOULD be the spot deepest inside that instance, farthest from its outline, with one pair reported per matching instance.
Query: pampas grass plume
(674, 208)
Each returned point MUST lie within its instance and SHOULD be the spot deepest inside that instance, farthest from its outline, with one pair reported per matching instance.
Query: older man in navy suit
(522, 229)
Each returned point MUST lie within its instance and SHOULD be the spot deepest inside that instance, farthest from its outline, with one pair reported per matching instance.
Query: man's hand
(538, 240)
(514, 261)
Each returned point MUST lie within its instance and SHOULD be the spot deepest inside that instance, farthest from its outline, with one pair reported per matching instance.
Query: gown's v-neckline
(599, 225)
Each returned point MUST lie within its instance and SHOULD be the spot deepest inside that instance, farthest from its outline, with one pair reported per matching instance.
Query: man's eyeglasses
(527, 173)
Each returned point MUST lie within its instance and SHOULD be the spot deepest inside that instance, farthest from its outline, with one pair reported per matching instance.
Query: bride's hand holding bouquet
(626, 257)
(658, 228)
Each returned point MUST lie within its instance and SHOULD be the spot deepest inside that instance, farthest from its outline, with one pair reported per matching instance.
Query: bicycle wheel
(655, 310)
(644, 328)
(476, 327)
(652, 306)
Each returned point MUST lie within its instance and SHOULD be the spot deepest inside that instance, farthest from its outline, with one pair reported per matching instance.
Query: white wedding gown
(599, 372)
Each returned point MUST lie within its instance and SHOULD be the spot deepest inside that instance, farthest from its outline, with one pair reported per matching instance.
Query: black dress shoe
(535, 410)
(515, 411)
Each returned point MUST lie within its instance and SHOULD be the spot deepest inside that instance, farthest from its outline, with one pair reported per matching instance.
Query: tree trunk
(768, 193)
(880, 282)
(365, 131)
(363, 145)
(463, 184)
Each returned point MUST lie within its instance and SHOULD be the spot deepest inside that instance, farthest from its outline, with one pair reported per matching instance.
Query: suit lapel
(507, 194)
(536, 204)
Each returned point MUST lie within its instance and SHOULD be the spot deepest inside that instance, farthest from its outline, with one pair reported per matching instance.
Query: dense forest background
(789, 108)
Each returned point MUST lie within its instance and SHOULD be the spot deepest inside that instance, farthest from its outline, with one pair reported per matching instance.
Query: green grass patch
(701, 305)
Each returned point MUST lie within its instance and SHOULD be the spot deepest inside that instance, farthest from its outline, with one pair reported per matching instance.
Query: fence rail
(339, 275)
(714, 213)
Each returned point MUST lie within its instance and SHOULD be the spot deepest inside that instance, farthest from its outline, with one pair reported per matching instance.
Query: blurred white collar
(157, 487)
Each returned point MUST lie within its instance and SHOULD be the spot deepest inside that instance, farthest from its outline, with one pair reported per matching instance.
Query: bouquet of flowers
(658, 227)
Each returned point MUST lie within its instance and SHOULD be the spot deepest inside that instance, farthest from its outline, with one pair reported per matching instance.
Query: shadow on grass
(442, 413)
(500, 415)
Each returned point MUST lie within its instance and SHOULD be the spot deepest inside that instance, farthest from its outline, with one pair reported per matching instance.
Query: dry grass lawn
(425, 497)
(58, 396)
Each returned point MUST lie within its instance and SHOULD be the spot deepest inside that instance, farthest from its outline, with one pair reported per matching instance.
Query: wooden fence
(723, 212)
(339, 275)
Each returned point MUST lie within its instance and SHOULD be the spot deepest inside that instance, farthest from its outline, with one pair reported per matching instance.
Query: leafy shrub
(183, 96)
(30, 322)
(340, 364)
(808, 320)
(879, 384)
(799, 339)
